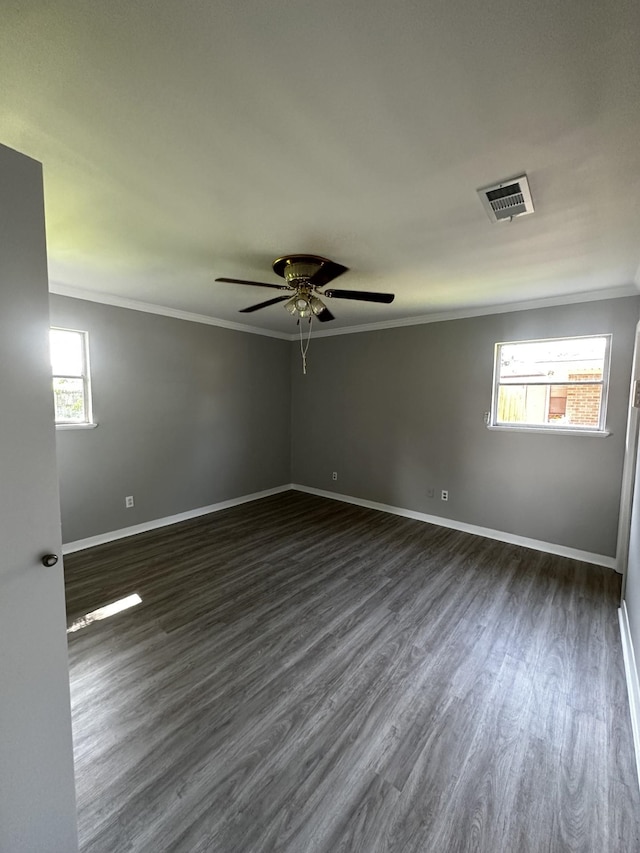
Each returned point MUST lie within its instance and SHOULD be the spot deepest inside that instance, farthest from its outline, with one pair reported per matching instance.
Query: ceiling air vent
(507, 199)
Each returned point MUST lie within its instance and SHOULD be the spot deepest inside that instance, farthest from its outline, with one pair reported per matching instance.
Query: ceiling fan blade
(263, 304)
(360, 295)
(254, 283)
(327, 272)
(325, 315)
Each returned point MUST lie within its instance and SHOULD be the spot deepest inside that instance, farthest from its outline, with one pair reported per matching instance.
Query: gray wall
(398, 411)
(189, 415)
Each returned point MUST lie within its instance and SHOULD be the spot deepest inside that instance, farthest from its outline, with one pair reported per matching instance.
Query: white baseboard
(103, 538)
(633, 684)
(500, 536)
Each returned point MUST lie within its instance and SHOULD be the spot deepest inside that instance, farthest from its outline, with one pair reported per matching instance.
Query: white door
(37, 796)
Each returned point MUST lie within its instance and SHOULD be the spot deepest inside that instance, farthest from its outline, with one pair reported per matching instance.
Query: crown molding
(483, 311)
(424, 319)
(162, 310)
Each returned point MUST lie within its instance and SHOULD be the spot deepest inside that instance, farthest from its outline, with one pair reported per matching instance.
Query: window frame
(88, 421)
(559, 428)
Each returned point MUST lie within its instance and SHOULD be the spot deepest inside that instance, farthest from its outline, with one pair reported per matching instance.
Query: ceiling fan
(305, 275)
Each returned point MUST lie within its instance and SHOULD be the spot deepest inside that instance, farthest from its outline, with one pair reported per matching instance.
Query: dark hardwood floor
(306, 676)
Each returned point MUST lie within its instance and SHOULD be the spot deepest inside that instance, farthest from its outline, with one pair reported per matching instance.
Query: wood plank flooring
(305, 676)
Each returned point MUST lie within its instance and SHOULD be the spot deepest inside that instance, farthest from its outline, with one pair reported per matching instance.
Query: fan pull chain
(304, 347)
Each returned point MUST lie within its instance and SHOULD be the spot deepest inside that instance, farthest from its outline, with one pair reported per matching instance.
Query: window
(553, 384)
(71, 383)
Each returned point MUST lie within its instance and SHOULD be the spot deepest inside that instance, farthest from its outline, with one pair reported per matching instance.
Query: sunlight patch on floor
(105, 612)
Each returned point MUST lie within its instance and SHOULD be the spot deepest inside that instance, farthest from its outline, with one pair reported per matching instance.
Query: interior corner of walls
(154, 524)
(488, 533)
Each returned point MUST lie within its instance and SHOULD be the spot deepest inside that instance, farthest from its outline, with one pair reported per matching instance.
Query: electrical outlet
(128, 501)
(444, 494)
(430, 493)
(334, 476)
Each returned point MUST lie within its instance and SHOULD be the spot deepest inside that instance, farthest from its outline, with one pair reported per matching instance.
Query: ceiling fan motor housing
(297, 268)
(294, 273)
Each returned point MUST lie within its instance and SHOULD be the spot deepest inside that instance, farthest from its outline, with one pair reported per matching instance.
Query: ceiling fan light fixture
(300, 305)
(317, 305)
(291, 306)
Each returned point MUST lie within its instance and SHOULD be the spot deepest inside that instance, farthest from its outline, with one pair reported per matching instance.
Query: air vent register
(508, 199)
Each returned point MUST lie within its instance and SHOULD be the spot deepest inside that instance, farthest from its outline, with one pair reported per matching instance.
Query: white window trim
(86, 383)
(600, 431)
(594, 433)
(83, 425)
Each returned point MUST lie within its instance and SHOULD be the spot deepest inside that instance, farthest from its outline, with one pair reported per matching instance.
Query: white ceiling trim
(441, 317)
(163, 310)
(465, 313)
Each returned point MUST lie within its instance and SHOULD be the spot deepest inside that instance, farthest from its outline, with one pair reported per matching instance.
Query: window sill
(76, 426)
(596, 433)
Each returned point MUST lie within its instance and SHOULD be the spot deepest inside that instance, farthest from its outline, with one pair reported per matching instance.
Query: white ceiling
(182, 141)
